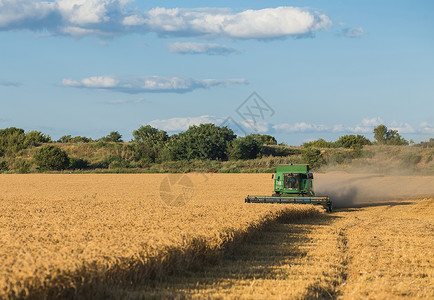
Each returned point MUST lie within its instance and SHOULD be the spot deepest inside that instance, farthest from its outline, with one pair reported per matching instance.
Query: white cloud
(360, 129)
(402, 127)
(110, 17)
(249, 24)
(83, 12)
(22, 13)
(300, 127)
(367, 125)
(201, 48)
(352, 32)
(148, 84)
(134, 20)
(372, 121)
(426, 127)
(338, 128)
(181, 124)
(258, 126)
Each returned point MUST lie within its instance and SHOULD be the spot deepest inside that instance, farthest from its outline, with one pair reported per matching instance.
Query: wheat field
(381, 250)
(169, 235)
(74, 235)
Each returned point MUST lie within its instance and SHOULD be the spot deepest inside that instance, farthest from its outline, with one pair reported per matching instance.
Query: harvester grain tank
(293, 184)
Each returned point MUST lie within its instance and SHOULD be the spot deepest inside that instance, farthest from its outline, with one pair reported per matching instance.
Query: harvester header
(293, 184)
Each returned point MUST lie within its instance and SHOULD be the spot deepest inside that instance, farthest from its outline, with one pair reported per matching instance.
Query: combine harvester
(293, 184)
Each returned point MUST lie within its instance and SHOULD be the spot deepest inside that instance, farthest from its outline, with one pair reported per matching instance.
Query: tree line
(199, 142)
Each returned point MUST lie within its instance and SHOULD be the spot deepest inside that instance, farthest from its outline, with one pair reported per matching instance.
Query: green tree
(319, 143)
(264, 139)
(113, 136)
(65, 139)
(393, 138)
(380, 134)
(12, 140)
(352, 141)
(51, 158)
(149, 134)
(35, 138)
(76, 139)
(149, 143)
(205, 141)
(248, 147)
(383, 136)
(80, 139)
(313, 157)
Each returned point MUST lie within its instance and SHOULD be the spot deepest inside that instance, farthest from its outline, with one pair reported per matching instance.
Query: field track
(381, 251)
(136, 236)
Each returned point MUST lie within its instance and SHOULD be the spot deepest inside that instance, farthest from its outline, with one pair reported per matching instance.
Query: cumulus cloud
(359, 129)
(367, 126)
(249, 24)
(426, 127)
(181, 124)
(372, 121)
(201, 48)
(111, 17)
(148, 84)
(16, 14)
(256, 126)
(351, 32)
(338, 128)
(402, 127)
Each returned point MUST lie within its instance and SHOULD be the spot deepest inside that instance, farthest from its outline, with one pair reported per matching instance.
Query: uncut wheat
(66, 235)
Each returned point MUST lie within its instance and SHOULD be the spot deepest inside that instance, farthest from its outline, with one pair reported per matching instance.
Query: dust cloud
(356, 190)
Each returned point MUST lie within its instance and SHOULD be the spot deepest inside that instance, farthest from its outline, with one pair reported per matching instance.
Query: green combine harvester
(293, 184)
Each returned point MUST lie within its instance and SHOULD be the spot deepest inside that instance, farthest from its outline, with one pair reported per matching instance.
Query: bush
(4, 165)
(264, 139)
(245, 148)
(24, 167)
(410, 160)
(313, 157)
(12, 140)
(357, 151)
(52, 158)
(78, 163)
(113, 136)
(320, 143)
(35, 138)
(337, 158)
(352, 141)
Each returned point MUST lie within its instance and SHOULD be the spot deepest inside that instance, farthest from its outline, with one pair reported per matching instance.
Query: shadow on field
(259, 258)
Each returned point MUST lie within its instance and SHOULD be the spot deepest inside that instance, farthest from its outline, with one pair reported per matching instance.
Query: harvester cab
(293, 184)
(293, 180)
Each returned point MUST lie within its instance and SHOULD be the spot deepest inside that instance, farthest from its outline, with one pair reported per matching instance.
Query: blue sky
(318, 68)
